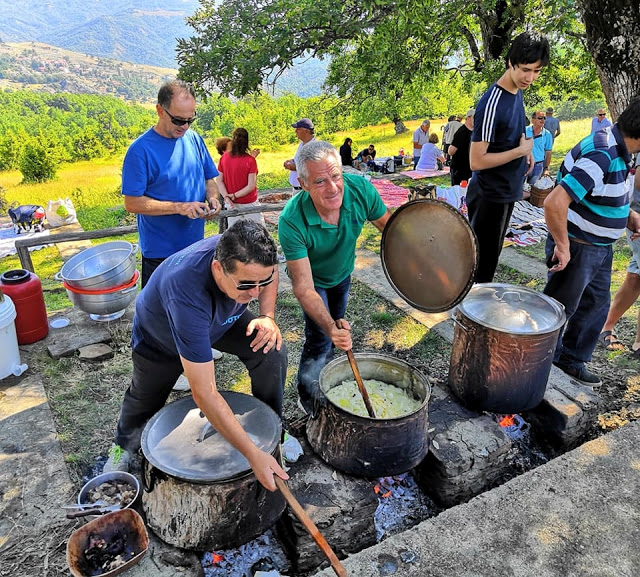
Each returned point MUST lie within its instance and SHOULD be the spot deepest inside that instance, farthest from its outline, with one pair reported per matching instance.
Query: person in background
(223, 144)
(459, 150)
(431, 155)
(600, 121)
(318, 230)
(365, 158)
(629, 291)
(420, 138)
(304, 131)
(586, 213)
(346, 153)
(551, 123)
(500, 154)
(453, 126)
(168, 179)
(542, 145)
(195, 299)
(238, 177)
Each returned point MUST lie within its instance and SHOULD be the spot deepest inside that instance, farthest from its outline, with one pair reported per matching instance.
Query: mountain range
(136, 31)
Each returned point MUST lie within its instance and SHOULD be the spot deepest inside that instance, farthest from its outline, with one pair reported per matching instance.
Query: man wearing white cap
(304, 131)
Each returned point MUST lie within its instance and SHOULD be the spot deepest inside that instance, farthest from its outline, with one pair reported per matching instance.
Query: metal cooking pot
(107, 301)
(364, 446)
(503, 346)
(100, 267)
(199, 491)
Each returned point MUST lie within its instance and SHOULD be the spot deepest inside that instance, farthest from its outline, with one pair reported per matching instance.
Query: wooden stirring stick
(311, 528)
(363, 391)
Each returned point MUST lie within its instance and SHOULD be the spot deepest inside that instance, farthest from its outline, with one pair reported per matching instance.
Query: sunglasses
(246, 285)
(601, 114)
(540, 118)
(180, 121)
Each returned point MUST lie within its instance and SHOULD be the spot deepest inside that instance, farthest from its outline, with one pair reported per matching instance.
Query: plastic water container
(9, 353)
(25, 290)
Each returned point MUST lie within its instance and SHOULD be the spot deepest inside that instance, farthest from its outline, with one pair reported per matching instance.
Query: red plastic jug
(25, 290)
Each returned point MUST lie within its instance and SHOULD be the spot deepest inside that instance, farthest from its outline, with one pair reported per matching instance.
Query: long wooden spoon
(310, 526)
(363, 391)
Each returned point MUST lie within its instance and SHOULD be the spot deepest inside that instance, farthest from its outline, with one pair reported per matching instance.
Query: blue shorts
(634, 263)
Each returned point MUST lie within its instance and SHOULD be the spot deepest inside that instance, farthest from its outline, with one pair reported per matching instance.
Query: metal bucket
(371, 447)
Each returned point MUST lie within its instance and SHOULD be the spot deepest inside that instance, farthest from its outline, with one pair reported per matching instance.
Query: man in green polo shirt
(318, 230)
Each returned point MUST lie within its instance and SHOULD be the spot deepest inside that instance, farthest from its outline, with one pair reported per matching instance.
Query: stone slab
(576, 516)
(95, 353)
(341, 506)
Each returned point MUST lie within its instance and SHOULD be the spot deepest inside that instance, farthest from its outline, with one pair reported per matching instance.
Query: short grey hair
(315, 151)
(426, 123)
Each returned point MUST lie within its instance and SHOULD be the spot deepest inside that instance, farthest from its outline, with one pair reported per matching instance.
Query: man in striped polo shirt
(500, 154)
(586, 213)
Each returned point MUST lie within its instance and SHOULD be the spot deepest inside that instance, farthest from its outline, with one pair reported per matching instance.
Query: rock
(96, 353)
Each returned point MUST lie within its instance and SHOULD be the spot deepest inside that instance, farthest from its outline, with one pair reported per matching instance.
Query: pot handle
(58, 276)
(129, 290)
(505, 293)
(459, 324)
(134, 248)
(147, 486)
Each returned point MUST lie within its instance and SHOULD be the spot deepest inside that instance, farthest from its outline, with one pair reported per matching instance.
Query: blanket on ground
(392, 194)
(417, 174)
(8, 237)
(527, 225)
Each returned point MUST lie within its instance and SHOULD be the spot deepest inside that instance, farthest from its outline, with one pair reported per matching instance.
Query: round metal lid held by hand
(513, 309)
(180, 442)
(429, 255)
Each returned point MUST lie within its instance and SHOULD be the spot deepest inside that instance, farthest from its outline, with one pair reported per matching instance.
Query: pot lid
(513, 309)
(179, 440)
(429, 254)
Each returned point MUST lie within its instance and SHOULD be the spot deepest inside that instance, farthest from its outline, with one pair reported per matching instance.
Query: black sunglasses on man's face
(180, 121)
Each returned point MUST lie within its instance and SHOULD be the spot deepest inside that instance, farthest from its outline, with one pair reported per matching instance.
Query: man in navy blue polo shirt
(586, 213)
(500, 154)
(195, 299)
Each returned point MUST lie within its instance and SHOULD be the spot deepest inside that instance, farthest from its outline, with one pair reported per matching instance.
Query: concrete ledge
(576, 516)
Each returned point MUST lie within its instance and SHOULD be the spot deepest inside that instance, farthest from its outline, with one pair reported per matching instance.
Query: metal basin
(104, 302)
(100, 267)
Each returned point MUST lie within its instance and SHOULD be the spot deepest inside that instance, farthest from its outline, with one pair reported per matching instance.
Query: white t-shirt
(293, 175)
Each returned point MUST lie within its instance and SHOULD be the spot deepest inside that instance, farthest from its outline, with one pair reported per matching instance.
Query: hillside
(137, 31)
(43, 68)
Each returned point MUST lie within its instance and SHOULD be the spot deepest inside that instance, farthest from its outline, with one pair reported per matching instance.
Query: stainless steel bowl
(83, 495)
(100, 267)
(103, 303)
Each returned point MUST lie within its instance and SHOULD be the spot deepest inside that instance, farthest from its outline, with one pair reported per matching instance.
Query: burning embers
(513, 425)
(246, 559)
(401, 505)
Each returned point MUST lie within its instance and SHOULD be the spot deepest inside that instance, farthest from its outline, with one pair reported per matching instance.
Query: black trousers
(148, 266)
(489, 220)
(154, 376)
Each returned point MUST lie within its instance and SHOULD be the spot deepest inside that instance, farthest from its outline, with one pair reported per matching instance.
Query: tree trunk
(613, 42)
(400, 127)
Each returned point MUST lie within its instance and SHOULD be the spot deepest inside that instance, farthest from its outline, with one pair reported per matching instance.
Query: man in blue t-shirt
(542, 146)
(586, 213)
(500, 154)
(168, 179)
(196, 299)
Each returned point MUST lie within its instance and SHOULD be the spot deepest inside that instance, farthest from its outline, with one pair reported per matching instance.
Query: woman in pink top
(238, 176)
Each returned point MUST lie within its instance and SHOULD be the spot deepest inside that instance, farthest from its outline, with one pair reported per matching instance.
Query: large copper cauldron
(199, 491)
(364, 446)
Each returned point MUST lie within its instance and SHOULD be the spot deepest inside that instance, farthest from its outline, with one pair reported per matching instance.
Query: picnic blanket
(392, 194)
(8, 237)
(417, 174)
(527, 225)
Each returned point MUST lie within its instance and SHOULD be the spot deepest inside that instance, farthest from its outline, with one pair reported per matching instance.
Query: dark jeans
(489, 220)
(154, 376)
(148, 266)
(318, 348)
(416, 159)
(583, 288)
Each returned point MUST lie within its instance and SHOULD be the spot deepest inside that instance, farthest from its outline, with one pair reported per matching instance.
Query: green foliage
(39, 161)
(83, 127)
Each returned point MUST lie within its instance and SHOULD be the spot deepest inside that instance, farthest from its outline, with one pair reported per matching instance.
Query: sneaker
(281, 258)
(216, 354)
(582, 375)
(182, 384)
(119, 460)
(302, 407)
